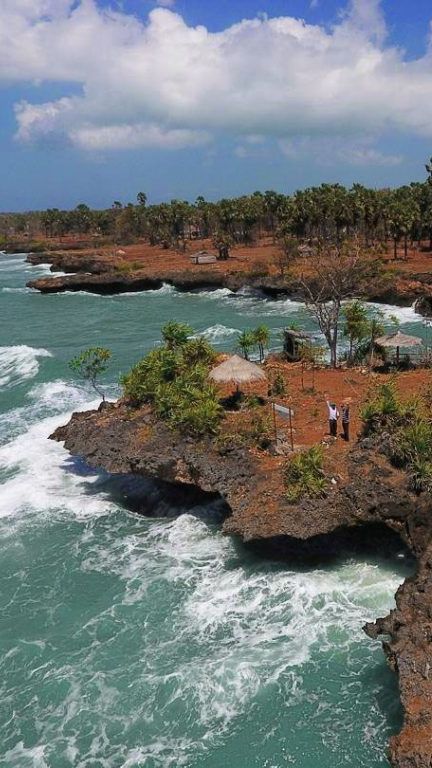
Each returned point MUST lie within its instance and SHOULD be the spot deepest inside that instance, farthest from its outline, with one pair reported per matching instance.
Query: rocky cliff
(374, 494)
(104, 274)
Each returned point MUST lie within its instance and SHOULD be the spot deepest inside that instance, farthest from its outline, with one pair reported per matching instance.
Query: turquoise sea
(153, 642)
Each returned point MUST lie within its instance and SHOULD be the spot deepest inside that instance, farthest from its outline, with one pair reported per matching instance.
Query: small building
(293, 342)
(203, 257)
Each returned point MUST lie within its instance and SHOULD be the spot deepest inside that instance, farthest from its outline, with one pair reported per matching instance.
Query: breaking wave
(218, 332)
(19, 363)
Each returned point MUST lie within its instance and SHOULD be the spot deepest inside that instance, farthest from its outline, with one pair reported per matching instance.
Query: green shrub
(408, 428)
(36, 247)
(260, 430)
(278, 386)
(175, 334)
(415, 441)
(420, 475)
(174, 380)
(381, 404)
(304, 477)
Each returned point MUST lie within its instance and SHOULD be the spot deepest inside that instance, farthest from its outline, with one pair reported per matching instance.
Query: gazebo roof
(296, 334)
(398, 339)
(237, 370)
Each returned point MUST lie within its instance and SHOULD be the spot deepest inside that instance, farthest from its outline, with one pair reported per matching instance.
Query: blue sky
(118, 103)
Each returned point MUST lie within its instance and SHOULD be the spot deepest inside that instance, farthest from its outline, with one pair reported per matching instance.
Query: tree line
(329, 212)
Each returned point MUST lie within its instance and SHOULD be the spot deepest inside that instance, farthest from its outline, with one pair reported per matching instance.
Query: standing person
(333, 416)
(346, 420)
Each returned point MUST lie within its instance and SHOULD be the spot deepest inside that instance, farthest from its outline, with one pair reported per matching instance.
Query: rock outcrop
(106, 275)
(120, 440)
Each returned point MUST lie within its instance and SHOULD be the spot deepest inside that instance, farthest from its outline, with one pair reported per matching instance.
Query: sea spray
(18, 363)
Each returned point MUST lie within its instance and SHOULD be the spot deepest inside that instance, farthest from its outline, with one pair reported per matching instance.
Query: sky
(101, 99)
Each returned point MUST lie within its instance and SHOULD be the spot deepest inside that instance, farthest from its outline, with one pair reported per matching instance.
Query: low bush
(174, 380)
(278, 386)
(304, 476)
(381, 405)
(408, 432)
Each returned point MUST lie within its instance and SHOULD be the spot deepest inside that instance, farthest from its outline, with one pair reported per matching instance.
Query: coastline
(108, 274)
(376, 497)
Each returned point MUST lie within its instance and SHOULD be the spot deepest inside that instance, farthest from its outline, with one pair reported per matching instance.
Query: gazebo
(239, 375)
(398, 341)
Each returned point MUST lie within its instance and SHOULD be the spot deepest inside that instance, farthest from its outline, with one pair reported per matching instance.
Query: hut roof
(237, 370)
(398, 339)
(297, 334)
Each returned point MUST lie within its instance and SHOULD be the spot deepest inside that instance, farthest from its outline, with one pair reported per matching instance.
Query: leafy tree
(356, 327)
(90, 365)
(337, 273)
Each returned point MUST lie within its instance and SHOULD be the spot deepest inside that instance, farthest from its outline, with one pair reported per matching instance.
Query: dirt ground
(310, 421)
(261, 257)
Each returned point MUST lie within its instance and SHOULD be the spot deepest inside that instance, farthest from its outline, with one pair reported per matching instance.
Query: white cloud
(368, 16)
(338, 150)
(166, 3)
(167, 84)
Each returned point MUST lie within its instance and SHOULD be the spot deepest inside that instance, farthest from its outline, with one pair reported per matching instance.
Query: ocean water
(157, 643)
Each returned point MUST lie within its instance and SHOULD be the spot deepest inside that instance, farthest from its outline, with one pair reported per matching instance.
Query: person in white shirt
(333, 416)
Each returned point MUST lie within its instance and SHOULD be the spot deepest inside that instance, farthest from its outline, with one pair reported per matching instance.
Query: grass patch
(304, 476)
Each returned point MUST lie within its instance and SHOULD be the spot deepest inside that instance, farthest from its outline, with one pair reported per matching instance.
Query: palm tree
(262, 338)
(246, 341)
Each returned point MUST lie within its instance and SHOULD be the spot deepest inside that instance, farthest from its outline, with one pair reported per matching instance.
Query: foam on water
(218, 332)
(404, 315)
(159, 643)
(19, 363)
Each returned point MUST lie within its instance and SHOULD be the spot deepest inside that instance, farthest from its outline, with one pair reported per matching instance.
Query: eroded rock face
(121, 440)
(424, 306)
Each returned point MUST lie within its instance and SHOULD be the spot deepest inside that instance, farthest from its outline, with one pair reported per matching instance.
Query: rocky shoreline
(103, 275)
(374, 494)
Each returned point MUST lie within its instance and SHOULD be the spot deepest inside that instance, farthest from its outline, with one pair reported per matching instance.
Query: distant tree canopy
(330, 211)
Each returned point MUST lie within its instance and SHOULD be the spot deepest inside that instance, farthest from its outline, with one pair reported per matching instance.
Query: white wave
(19, 363)
(57, 397)
(218, 332)
(216, 293)
(165, 290)
(17, 290)
(404, 315)
(36, 480)
(26, 757)
(263, 625)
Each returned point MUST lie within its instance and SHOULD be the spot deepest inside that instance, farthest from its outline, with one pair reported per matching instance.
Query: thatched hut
(238, 375)
(398, 341)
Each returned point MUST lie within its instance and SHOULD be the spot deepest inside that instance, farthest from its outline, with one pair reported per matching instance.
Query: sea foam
(19, 363)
